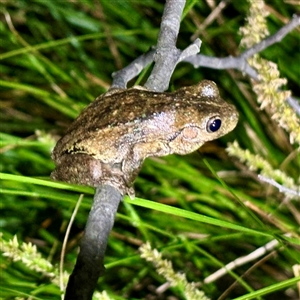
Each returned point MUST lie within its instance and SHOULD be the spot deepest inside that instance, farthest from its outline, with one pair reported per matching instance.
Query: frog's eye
(213, 124)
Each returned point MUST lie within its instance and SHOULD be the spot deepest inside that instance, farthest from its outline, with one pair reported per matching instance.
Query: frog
(109, 141)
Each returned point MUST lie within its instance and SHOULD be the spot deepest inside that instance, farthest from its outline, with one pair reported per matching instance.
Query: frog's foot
(116, 178)
(83, 169)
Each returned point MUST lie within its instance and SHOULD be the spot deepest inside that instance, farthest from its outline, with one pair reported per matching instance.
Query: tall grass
(201, 211)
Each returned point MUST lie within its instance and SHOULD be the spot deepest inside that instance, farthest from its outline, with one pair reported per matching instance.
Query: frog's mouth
(174, 136)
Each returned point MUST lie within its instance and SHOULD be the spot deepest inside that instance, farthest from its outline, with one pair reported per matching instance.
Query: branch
(90, 262)
(241, 261)
(280, 187)
(240, 62)
(121, 77)
(275, 38)
(166, 55)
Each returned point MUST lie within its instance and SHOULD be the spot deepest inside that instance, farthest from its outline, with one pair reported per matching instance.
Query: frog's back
(122, 108)
(109, 119)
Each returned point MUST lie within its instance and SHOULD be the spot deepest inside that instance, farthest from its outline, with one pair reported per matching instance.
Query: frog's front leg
(135, 158)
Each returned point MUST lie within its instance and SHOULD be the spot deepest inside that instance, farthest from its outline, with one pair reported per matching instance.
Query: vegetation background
(55, 58)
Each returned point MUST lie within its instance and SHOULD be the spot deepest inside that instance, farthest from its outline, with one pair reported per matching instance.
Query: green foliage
(201, 211)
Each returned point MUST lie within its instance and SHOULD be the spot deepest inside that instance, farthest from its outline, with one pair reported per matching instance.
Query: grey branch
(166, 55)
(90, 261)
(240, 62)
(281, 188)
(241, 261)
(275, 38)
(121, 77)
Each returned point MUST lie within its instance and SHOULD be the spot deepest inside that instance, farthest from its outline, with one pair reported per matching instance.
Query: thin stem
(275, 38)
(167, 55)
(90, 261)
(121, 77)
(64, 245)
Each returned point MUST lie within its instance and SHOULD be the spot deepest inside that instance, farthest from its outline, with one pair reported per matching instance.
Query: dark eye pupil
(213, 125)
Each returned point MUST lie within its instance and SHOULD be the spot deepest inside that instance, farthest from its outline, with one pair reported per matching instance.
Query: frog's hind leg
(78, 168)
(84, 169)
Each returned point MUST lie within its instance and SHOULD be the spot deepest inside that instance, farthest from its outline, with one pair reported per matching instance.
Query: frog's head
(204, 116)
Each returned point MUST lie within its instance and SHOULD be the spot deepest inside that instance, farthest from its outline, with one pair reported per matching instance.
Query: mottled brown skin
(110, 139)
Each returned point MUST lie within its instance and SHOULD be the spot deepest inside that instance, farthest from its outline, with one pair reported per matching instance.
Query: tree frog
(111, 138)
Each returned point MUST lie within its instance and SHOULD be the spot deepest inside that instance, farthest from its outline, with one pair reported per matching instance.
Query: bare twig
(166, 55)
(252, 267)
(212, 16)
(90, 262)
(121, 77)
(242, 260)
(240, 62)
(275, 38)
(280, 187)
